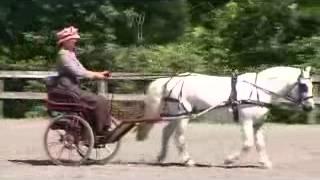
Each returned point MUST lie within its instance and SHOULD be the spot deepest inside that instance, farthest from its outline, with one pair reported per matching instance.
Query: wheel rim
(63, 144)
(103, 153)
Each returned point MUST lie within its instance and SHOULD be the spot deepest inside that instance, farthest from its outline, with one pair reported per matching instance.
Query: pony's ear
(306, 72)
(307, 69)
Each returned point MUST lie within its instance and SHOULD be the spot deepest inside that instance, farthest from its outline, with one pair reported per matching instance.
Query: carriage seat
(64, 101)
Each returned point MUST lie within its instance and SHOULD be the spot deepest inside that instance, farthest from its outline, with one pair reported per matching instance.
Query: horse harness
(176, 101)
(232, 101)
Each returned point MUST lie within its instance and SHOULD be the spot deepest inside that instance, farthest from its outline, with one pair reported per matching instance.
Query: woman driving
(70, 70)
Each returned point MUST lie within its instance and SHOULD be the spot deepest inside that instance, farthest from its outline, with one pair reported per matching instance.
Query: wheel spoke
(108, 149)
(70, 154)
(97, 154)
(60, 152)
(53, 144)
(59, 133)
(79, 150)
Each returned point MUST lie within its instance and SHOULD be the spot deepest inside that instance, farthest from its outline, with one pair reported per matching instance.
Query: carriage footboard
(120, 131)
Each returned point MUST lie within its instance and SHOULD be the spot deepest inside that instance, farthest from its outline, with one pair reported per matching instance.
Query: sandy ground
(294, 150)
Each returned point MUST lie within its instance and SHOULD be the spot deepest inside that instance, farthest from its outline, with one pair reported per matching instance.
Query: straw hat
(67, 34)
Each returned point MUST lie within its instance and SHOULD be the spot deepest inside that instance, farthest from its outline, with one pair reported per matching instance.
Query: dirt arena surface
(294, 150)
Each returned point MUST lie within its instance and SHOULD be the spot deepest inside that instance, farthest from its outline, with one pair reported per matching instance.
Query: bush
(290, 116)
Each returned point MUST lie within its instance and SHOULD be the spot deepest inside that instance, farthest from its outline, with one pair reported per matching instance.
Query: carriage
(70, 140)
(70, 129)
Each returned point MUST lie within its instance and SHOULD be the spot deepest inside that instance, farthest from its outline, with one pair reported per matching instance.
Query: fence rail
(102, 85)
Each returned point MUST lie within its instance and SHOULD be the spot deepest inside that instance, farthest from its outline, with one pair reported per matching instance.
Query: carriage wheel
(65, 137)
(103, 153)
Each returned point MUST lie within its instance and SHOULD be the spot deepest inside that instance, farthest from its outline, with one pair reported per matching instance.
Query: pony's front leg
(261, 148)
(181, 142)
(166, 134)
(248, 142)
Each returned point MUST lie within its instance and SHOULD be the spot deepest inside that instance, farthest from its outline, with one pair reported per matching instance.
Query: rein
(273, 93)
(286, 97)
(233, 101)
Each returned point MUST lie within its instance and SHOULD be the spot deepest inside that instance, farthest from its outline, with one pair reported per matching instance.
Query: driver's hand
(106, 73)
(100, 75)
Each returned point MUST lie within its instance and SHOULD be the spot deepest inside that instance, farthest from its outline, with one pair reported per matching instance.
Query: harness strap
(253, 102)
(170, 99)
(273, 93)
(177, 100)
(255, 81)
(233, 100)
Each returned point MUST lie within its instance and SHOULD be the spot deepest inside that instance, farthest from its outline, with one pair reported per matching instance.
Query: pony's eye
(311, 73)
(303, 88)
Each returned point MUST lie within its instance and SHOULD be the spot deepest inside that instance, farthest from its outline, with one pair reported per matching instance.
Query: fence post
(1, 101)
(102, 87)
(312, 116)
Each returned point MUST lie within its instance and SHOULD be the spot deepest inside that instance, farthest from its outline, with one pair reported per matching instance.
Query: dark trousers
(97, 113)
(99, 110)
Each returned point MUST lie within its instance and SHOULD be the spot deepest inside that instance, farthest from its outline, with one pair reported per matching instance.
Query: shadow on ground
(142, 163)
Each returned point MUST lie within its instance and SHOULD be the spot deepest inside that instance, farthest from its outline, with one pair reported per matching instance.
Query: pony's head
(304, 89)
(294, 84)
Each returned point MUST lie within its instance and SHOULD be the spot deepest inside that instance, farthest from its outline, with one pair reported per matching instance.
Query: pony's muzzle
(307, 103)
(307, 108)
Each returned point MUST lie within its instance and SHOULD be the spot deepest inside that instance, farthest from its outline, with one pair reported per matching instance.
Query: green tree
(257, 32)
(161, 21)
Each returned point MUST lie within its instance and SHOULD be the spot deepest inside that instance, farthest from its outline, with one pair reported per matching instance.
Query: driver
(70, 70)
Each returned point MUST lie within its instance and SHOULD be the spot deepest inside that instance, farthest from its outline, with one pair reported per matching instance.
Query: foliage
(170, 58)
(257, 32)
(307, 51)
(204, 36)
(289, 116)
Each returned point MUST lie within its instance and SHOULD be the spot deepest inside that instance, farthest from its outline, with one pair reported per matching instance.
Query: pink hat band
(67, 33)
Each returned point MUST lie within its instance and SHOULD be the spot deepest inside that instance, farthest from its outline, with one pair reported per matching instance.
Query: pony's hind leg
(261, 147)
(152, 111)
(181, 142)
(166, 134)
(248, 142)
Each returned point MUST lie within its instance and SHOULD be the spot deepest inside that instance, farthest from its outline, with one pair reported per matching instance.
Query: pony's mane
(279, 71)
(269, 73)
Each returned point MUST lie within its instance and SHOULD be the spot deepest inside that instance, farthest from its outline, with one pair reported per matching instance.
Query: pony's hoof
(189, 163)
(266, 164)
(160, 159)
(141, 137)
(228, 161)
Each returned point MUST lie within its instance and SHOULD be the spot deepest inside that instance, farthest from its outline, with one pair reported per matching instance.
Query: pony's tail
(152, 105)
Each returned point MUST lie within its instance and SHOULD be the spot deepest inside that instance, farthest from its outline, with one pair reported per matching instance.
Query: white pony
(196, 92)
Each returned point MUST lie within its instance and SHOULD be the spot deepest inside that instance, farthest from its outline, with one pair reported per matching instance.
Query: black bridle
(302, 88)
